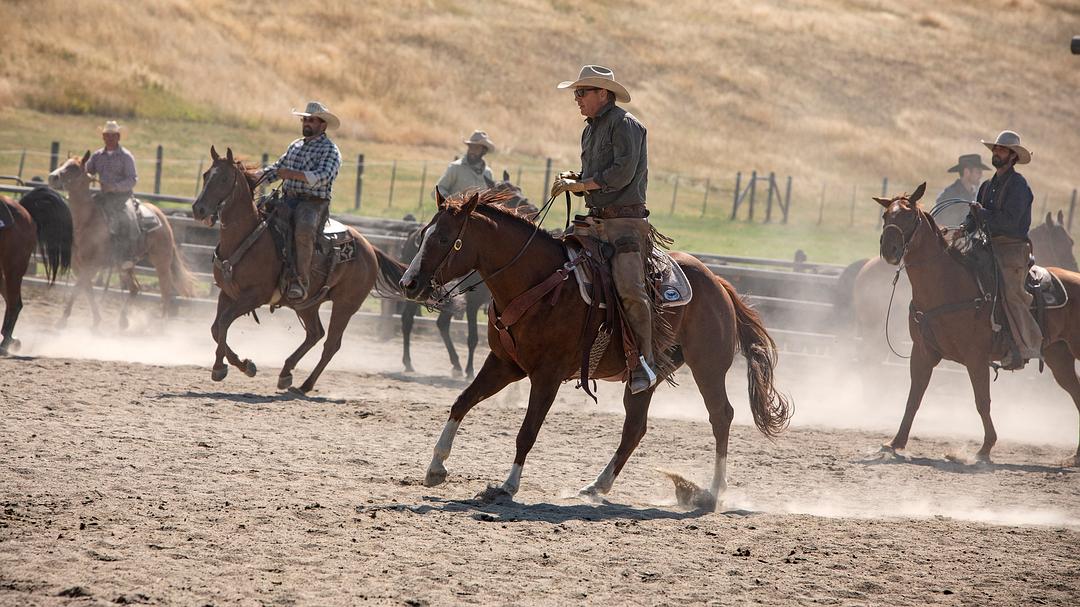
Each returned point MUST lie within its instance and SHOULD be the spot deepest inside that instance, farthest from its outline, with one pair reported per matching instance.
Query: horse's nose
(407, 284)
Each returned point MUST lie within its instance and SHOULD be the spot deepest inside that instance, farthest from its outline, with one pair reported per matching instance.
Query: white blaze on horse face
(719, 481)
(210, 175)
(414, 265)
(514, 480)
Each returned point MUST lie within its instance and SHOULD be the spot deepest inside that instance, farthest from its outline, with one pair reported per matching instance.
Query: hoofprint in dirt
(137, 483)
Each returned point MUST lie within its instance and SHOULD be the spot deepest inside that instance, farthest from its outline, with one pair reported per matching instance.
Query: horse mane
(251, 173)
(493, 200)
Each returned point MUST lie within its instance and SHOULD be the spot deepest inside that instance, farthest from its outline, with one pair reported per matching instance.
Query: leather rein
(226, 266)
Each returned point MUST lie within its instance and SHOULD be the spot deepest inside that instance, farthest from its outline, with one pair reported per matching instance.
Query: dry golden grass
(839, 90)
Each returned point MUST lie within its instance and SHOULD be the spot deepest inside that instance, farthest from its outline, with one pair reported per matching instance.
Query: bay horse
(513, 255)
(250, 274)
(871, 290)
(948, 322)
(93, 250)
(40, 219)
(476, 294)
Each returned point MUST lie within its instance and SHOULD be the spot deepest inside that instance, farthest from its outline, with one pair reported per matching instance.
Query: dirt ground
(128, 477)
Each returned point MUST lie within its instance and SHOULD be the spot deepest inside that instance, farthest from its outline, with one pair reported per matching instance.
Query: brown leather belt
(631, 211)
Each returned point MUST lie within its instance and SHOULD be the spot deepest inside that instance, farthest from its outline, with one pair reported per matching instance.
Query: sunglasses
(581, 92)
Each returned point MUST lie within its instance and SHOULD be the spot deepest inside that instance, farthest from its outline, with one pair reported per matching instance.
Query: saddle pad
(148, 220)
(334, 226)
(674, 288)
(1041, 283)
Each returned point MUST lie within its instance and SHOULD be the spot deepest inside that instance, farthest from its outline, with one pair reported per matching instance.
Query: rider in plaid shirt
(308, 169)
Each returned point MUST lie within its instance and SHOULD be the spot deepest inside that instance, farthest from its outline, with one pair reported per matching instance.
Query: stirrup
(642, 378)
(296, 292)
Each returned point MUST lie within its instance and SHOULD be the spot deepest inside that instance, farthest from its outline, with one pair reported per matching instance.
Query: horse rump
(55, 228)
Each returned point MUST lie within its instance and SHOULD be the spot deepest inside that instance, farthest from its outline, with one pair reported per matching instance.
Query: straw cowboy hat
(318, 110)
(111, 127)
(969, 160)
(480, 138)
(600, 77)
(1009, 139)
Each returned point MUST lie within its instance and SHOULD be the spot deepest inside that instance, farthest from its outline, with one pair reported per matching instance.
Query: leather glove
(566, 185)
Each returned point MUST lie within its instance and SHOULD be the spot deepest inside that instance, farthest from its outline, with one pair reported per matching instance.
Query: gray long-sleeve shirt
(115, 169)
(615, 155)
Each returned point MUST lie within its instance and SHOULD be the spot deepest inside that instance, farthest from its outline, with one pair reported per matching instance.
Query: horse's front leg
(920, 367)
(494, 375)
(541, 396)
(229, 310)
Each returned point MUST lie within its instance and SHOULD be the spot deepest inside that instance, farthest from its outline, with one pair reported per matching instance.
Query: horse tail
(388, 278)
(183, 279)
(55, 229)
(772, 410)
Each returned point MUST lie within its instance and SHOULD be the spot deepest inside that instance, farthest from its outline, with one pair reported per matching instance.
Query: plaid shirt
(115, 169)
(319, 160)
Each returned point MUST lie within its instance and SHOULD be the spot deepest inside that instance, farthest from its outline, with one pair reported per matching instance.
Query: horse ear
(440, 202)
(85, 158)
(1061, 217)
(917, 194)
(882, 201)
(474, 200)
(213, 154)
(506, 175)
(228, 154)
(1049, 219)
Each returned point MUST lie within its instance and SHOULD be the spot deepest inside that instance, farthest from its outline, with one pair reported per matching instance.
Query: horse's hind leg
(1063, 365)
(634, 427)
(541, 396)
(443, 322)
(494, 375)
(313, 332)
(979, 374)
(11, 281)
(339, 319)
(408, 316)
(128, 279)
(474, 338)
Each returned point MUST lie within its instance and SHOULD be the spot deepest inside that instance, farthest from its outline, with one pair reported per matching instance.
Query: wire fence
(397, 187)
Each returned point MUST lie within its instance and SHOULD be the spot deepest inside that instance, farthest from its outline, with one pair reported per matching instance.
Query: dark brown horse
(478, 233)
(251, 272)
(947, 323)
(93, 251)
(42, 219)
(1052, 245)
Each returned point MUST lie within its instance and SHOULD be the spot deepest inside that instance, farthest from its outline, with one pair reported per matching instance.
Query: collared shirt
(956, 191)
(462, 175)
(115, 169)
(614, 154)
(1013, 216)
(318, 159)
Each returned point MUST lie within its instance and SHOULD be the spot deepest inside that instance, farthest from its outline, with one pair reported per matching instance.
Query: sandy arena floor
(127, 476)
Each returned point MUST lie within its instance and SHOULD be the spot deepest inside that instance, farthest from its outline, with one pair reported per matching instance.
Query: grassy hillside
(836, 93)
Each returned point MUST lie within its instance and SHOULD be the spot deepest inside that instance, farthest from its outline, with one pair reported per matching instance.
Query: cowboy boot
(305, 246)
(642, 376)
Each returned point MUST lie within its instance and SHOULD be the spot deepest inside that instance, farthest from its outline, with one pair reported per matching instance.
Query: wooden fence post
(265, 161)
(157, 169)
(359, 181)
(22, 162)
(674, 194)
(787, 199)
(1072, 208)
(753, 193)
(518, 182)
(423, 184)
(772, 186)
(54, 156)
(393, 178)
(884, 187)
(851, 217)
(705, 200)
(198, 176)
(735, 203)
(547, 181)
(821, 207)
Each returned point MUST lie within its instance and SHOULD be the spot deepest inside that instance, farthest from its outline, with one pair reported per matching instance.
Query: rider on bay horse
(613, 179)
(1004, 207)
(115, 169)
(307, 170)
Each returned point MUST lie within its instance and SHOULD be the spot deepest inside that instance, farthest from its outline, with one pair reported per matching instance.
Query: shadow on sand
(507, 511)
(959, 467)
(254, 399)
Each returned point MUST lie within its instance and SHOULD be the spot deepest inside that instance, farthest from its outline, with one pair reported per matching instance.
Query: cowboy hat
(111, 127)
(969, 160)
(1009, 139)
(318, 110)
(599, 77)
(480, 138)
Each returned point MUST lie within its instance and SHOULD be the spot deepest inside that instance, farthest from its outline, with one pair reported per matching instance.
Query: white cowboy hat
(111, 127)
(599, 77)
(318, 110)
(1009, 139)
(480, 138)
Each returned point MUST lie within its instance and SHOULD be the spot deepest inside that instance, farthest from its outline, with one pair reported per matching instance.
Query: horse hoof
(219, 373)
(983, 459)
(455, 372)
(1072, 462)
(469, 375)
(123, 323)
(249, 368)
(434, 478)
(284, 382)
(297, 391)
(494, 494)
(409, 368)
(15, 345)
(590, 493)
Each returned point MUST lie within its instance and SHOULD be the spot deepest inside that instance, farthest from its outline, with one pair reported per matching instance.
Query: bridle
(457, 245)
(905, 240)
(215, 214)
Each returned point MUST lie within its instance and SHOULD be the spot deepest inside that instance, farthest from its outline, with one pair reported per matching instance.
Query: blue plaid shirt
(319, 159)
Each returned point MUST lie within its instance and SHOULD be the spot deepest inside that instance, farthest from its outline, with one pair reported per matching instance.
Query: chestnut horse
(513, 255)
(248, 248)
(947, 323)
(42, 219)
(93, 251)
